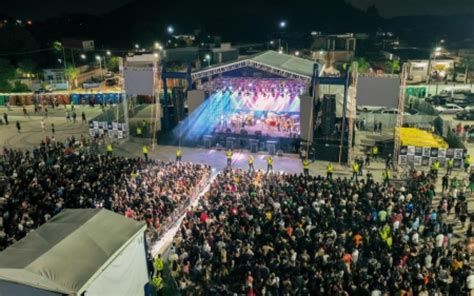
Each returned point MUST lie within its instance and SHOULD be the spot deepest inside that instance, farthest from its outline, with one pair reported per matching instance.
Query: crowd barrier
(174, 218)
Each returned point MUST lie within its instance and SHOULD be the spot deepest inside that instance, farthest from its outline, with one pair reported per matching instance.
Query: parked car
(448, 109)
(111, 82)
(368, 108)
(47, 89)
(465, 115)
(109, 74)
(437, 100)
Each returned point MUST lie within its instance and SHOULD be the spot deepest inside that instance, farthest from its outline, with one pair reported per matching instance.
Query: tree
(19, 87)
(112, 64)
(71, 74)
(27, 66)
(467, 63)
(393, 66)
(7, 73)
(362, 65)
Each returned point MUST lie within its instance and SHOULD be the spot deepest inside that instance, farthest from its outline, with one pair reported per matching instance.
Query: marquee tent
(78, 252)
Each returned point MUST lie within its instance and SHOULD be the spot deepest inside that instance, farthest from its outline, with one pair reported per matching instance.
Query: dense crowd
(284, 234)
(56, 175)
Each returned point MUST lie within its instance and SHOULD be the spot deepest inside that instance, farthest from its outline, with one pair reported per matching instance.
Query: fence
(390, 120)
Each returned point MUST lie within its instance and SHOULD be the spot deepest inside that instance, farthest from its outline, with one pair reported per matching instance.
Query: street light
(208, 58)
(272, 42)
(156, 55)
(137, 46)
(297, 53)
(100, 65)
(282, 26)
(108, 52)
(83, 56)
(170, 29)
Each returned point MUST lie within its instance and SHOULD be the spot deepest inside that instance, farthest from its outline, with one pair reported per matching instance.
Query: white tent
(78, 252)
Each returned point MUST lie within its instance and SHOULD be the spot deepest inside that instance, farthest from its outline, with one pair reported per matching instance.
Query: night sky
(388, 8)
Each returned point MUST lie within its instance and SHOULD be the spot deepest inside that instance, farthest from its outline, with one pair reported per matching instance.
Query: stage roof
(284, 64)
(64, 253)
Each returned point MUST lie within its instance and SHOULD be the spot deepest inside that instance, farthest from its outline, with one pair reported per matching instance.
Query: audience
(56, 175)
(283, 234)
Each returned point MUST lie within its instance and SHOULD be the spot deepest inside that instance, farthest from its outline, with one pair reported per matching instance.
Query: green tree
(71, 74)
(467, 63)
(7, 73)
(112, 64)
(19, 87)
(362, 65)
(393, 66)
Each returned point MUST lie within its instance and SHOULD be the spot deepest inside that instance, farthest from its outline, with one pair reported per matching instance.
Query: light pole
(208, 58)
(98, 58)
(282, 26)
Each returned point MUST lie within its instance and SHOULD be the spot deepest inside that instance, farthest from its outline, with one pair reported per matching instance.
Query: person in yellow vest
(269, 163)
(145, 152)
(109, 149)
(305, 167)
(449, 166)
(329, 171)
(229, 155)
(386, 177)
(467, 162)
(159, 264)
(435, 167)
(375, 151)
(158, 283)
(138, 132)
(250, 161)
(355, 170)
(179, 154)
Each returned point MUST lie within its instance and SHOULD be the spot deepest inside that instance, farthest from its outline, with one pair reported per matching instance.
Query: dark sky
(387, 8)
(391, 8)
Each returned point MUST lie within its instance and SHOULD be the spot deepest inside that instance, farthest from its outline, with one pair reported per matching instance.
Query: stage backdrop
(378, 90)
(195, 99)
(306, 109)
(139, 81)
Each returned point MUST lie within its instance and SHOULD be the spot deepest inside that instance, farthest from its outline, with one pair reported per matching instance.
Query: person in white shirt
(470, 281)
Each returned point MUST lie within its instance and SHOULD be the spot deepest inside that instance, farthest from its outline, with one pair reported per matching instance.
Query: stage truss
(248, 63)
(401, 108)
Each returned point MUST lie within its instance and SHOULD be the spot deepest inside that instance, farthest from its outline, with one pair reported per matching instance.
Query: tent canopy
(68, 250)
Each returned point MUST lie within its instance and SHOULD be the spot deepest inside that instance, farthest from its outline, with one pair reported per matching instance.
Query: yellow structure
(415, 137)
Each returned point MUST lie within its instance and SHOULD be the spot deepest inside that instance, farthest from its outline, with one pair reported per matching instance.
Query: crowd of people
(287, 234)
(73, 174)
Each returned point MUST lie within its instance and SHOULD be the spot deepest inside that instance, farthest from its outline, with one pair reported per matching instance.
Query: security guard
(229, 155)
(269, 163)
(306, 167)
(109, 149)
(467, 162)
(329, 171)
(158, 284)
(375, 151)
(435, 167)
(139, 132)
(386, 177)
(145, 152)
(355, 170)
(449, 167)
(179, 154)
(250, 161)
(159, 264)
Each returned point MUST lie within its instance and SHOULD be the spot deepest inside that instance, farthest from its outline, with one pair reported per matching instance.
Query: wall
(390, 120)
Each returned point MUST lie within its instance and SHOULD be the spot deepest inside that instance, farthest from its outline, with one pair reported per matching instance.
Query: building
(333, 49)
(225, 53)
(80, 43)
(56, 78)
(439, 69)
